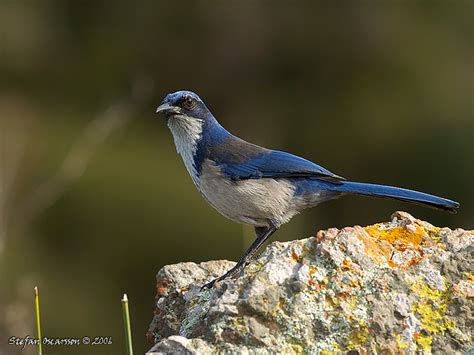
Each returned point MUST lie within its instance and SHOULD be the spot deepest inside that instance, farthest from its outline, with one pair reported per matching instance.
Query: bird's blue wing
(241, 160)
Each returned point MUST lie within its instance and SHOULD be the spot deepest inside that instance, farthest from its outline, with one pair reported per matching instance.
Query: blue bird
(257, 186)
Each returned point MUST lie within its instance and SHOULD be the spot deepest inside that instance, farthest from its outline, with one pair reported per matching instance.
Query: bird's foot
(209, 284)
(232, 272)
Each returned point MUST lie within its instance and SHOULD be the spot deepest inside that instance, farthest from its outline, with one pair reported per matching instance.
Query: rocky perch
(399, 287)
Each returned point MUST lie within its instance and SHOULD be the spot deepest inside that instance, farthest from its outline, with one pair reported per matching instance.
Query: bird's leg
(263, 233)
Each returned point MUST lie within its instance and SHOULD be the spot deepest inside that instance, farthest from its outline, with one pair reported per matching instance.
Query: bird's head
(184, 105)
(189, 120)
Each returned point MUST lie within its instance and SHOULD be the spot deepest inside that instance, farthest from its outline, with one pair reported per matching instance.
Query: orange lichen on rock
(346, 264)
(398, 236)
(465, 287)
(162, 287)
(313, 282)
(377, 250)
(295, 256)
(398, 246)
(328, 234)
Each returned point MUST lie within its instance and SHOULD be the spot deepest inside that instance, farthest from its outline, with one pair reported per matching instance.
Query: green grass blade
(126, 322)
(38, 321)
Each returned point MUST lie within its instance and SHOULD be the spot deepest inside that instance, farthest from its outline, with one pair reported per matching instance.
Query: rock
(403, 286)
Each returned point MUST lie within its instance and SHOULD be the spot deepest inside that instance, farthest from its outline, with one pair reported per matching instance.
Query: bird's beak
(167, 108)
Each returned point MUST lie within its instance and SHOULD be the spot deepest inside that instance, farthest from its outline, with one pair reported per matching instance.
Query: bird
(253, 185)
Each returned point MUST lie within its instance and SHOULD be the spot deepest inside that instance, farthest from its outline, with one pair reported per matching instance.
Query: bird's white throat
(186, 134)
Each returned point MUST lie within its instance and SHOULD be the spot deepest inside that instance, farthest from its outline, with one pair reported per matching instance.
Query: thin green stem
(126, 322)
(38, 321)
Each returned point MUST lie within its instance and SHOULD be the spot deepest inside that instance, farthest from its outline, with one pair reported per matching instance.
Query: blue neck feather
(212, 134)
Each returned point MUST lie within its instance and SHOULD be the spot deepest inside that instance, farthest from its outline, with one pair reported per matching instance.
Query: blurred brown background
(94, 199)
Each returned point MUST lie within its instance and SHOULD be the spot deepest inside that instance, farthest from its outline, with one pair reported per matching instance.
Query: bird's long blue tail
(360, 188)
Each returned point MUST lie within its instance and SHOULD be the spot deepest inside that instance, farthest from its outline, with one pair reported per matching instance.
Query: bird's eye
(188, 102)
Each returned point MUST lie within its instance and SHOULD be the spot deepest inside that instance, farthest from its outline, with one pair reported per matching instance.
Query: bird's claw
(209, 284)
(231, 273)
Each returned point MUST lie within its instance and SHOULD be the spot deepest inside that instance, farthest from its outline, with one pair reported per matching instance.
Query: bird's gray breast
(254, 201)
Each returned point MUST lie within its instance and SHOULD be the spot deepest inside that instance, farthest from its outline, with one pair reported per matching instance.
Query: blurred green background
(94, 199)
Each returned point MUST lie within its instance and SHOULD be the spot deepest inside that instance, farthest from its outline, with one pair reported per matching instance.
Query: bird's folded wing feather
(248, 161)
